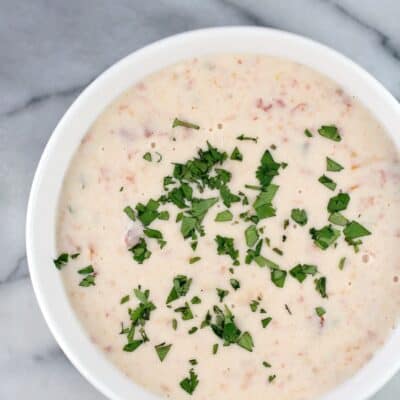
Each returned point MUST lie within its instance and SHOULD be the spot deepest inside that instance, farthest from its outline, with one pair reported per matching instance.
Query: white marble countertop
(50, 50)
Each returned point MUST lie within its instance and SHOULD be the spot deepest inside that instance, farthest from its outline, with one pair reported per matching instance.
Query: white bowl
(42, 208)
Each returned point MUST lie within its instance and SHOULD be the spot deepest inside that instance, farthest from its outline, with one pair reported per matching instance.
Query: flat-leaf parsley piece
(162, 350)
(86, 271)
(190, 383)
(308, 133)
(330, 132)
(354, 230)
(299, 216)
(325, 236)
(332, 165)
(185, 124)
(328, 182)
(88, 280)
(181, 285)
(224, 216)
(194, 260)
(63, 259)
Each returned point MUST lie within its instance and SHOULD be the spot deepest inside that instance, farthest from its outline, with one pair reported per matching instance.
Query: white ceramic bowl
(42, 208)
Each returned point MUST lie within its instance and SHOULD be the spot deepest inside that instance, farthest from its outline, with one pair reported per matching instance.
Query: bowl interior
(42, 208)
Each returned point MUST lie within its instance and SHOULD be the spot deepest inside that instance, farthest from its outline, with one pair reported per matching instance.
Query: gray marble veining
(50, 50)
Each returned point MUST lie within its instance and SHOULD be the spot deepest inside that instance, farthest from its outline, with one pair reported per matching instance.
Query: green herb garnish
(320, 286)
(162, 350)
(226, 246)
(267, 170)
(330, 132)
(234, 283)
(236, 155)
(194, 260)
(266, 321)
(299, 216)
(190, 383)
(325, 236)
(147, 156)
(139, 251)
(320, 311)
(338, 219)
(61, 260)
(341, 263)
(130, 213)
(222, 294)
(251, 235)
(181, 285)
(328, 182)
(124, 299)
(246, 341)
(332, 165)
(185, 311)
(185, 124)
(224, 216)
(308, 133)
(338, 202)
(243, 137)
(196, 300)
(300, 271)
(87, 270)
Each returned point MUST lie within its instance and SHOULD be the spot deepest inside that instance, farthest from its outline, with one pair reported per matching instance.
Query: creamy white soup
(228, 229)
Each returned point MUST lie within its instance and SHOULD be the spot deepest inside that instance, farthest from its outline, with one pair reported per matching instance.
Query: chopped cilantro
(88, 280)
(227, 196)
(234, 283)
(354, 230)
(226, 246)
(308, 133)
(243, 137)
(332, 165)
(251, 235)
(246, 341)
(185, 124)
(201, 206)
(222, 294)
(174, 324)
(147, 156)
(196, 300)
(266, 321)
(130, 213)
(236, 155)
(328, 182)
(162, 350)
(153, 233)
(185, 311)
(338, 219)
(278, 277)
(320, 311)
(266, 364)
(215, 348)
(188, 226)
(330, 132)
(124, 299)
(132, 346)
(271, 378)
(147, 213)
(320, 286)
(341, 263)
(140, 252)
(224, 216)
(190, 383)
(300, 271)
(181, 285)
(325, 236)
(267, 170)
(193, 361)
(163, 215)
(192, 330)
(194, 260)
(299, 216)
(277, 251)
(338, 202)
(87, 270)
(254, 305)
(61, 260)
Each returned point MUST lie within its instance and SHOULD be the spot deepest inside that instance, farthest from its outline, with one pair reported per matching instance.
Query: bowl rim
(41, 211)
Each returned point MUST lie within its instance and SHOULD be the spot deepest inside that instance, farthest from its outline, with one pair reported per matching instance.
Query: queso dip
(228, 229)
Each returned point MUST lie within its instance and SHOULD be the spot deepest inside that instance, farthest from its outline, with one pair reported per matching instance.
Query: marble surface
(50, 50)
